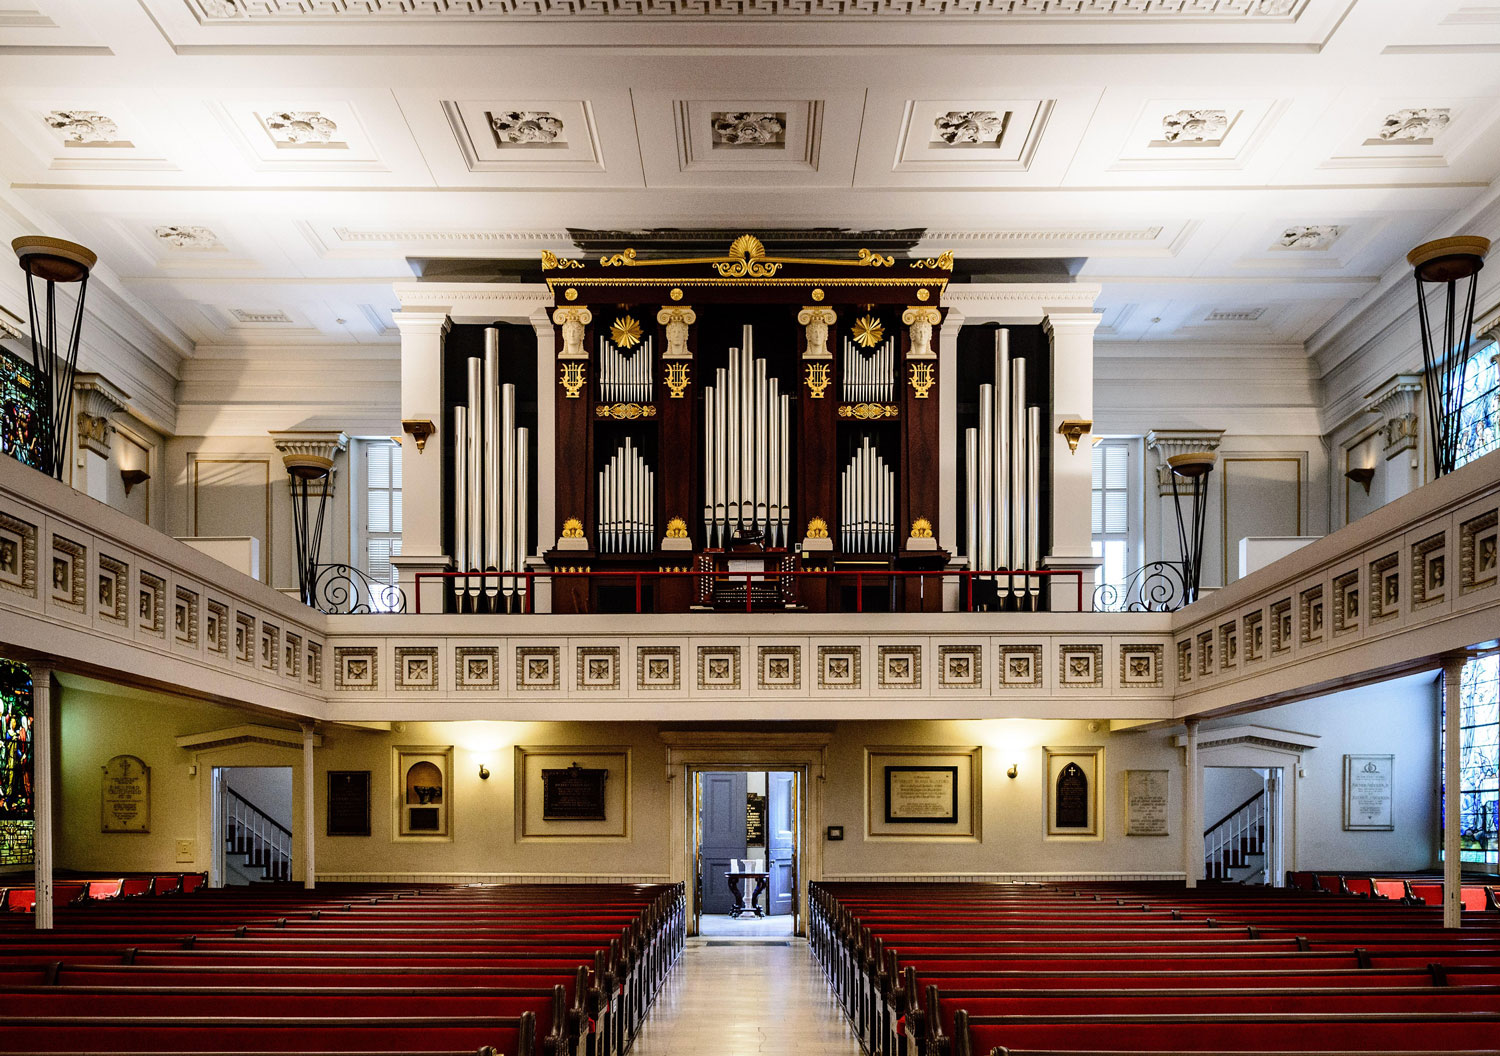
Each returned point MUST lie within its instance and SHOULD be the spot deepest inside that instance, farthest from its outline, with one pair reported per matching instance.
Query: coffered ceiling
(258, 172)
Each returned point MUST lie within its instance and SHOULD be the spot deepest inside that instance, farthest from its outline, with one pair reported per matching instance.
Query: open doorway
(1242, 812)
(252, 825)
(747, 835)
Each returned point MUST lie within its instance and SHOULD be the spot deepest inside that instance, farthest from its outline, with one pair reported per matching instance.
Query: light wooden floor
(740, 998)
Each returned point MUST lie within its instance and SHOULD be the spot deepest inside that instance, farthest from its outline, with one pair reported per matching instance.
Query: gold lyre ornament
(677, 379)
(817, 380)
(572, 380)
(921, 379)
(677, 528)
(921, 528)
(817, 528)
(625, 412)
(572, 528)
(869, 411)
(626, 332)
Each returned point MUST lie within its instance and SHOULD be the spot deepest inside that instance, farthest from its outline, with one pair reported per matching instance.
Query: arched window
(17, 802)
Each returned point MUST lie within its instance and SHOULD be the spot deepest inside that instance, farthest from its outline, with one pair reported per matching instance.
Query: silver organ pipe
(1002, 460)
(747, 440)
(490, 481)
(625, 375)
(869, 376)
(627, 502)
(867, 502)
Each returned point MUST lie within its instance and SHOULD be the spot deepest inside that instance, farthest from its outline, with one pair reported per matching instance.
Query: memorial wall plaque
(1146, 803)
(573, 794)
(921, 795)
(1070, 805)
(348, 802)
(125, 795)
(1368, 793)
(755, 818)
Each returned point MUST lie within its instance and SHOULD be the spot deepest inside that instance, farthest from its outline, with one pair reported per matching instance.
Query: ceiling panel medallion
(1199, 127)
(188, 236)
(1414, 125)
(1308, 236)
(958, 128)
(526, 127)
(85, 128)
(301, 128)
(749, 129)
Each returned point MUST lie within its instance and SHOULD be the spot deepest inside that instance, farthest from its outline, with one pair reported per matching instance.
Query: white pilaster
(423, 331)
(1453, 673)
(96, 402)
(43, 790)
(948, 455)
(1071, 335)
(1192, 808)
(309, 809)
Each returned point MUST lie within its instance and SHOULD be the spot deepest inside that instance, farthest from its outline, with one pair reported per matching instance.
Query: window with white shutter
(1115, 497)
(380, 520)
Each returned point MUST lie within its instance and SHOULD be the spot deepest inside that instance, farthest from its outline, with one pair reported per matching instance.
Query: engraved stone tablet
(1145, 803)
(126, 795)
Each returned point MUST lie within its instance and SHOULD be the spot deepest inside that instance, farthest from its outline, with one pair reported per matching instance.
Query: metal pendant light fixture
(1192, 467)
(1447, 272)
(50, 262)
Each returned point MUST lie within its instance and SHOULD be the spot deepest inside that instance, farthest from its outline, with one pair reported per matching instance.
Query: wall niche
(424, 781)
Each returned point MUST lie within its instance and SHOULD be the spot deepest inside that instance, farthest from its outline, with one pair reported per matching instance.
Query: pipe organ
(867, 501)
(1002, 473)
(869, 373)
(627, 502)
(490, 456)
(746, 450)
(625, 373)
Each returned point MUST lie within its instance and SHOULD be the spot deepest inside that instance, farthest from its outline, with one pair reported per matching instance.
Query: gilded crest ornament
(626, 332)
(572, 379)
(942, 262)
(677, 528)
(817, 380)
(572, 528)
(921, 528)
(868, 331)
(552, 262)
(625, 412)
(817, 528)
(869, 411)
(677, 380)
(921, 379)
(747, 258)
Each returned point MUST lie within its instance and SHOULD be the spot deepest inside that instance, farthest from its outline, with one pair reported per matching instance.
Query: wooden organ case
(750, 412)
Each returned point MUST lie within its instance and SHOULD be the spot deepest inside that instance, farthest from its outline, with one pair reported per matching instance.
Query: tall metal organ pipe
(490, 480)
(869, 376)
(867, 502)
(1002, 463)
(625, 376)
(627, 502)
(746, 450)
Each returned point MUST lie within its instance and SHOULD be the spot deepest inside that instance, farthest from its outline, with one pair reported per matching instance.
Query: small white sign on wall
(1146, 803)
(1368, 793)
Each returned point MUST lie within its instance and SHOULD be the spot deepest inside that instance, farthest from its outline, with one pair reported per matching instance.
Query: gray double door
(724, 830)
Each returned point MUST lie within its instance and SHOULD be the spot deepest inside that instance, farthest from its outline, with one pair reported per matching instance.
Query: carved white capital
(304, 449)
(98, 401)
(816, 321)
(572, 321)
(415, 322)
(1169, 442)
(1397, 401)
(677, 320)
(919, 320)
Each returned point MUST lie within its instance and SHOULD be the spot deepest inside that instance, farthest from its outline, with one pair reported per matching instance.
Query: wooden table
(762, 881)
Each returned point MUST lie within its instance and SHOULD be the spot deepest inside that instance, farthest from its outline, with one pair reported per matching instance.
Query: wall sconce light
(419, 429)
(1361, 475)
(132, 477)
(484, 772)
(1011, 773)
(1072, 431)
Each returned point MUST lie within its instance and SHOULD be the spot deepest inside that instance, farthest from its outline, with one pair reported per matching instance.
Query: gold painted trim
(869, 411)
(747, 256)
(914, 280)
(625, 411)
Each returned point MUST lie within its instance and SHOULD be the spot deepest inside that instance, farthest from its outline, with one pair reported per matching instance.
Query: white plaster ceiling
(259, 171)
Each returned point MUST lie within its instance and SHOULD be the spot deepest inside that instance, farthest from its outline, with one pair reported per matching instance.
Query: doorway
(747, 836)
(252, 825)
(1242, 812)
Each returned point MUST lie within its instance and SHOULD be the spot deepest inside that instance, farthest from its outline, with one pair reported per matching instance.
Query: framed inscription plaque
(126, 795)
(1075, 793)
(916, 795)
(573, 794)
(348, 802)
(1368, 793)
(1146, 803)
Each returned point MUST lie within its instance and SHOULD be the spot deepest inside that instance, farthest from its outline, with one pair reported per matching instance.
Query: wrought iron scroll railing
(345, 590)
(1159, 586)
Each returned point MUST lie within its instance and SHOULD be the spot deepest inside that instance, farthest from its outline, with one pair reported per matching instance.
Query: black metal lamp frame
(304, 474)
(1193, 467)
(52, 261)
(1451, 264)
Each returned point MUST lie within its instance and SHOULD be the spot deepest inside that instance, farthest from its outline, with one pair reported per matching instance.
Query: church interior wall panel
(1259, 494)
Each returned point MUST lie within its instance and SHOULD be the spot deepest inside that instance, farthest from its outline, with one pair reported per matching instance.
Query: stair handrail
(1230, 831)
(257, 810)
(1215, 826)
(263, 832)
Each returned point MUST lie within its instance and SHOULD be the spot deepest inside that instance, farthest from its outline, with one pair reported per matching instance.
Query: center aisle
(737, 997)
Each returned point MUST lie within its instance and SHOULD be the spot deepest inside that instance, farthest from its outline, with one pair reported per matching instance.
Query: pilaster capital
(1397, 400)
(1168, 443)
(1070, 323)
(541, 322)
(422, 322)
(816, 320)
(305, 452)
(98, 401)
(677, 318)
(919, 320)
(572, 321)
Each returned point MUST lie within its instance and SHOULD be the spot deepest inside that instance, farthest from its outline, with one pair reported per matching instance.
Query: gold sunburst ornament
(626, 332)
(868, 332)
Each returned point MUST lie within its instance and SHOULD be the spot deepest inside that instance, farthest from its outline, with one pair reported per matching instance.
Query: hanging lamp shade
(1447, 274)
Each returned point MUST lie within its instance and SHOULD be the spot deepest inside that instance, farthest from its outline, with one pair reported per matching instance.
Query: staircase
(252, 834)
(1235, 846)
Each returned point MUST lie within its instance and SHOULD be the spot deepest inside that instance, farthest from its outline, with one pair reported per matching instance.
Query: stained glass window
(16, 803)
(23, 412)
(1479, 761)
(1479, 411)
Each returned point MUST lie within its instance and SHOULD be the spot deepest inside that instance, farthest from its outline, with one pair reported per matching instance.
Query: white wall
(268, 787)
